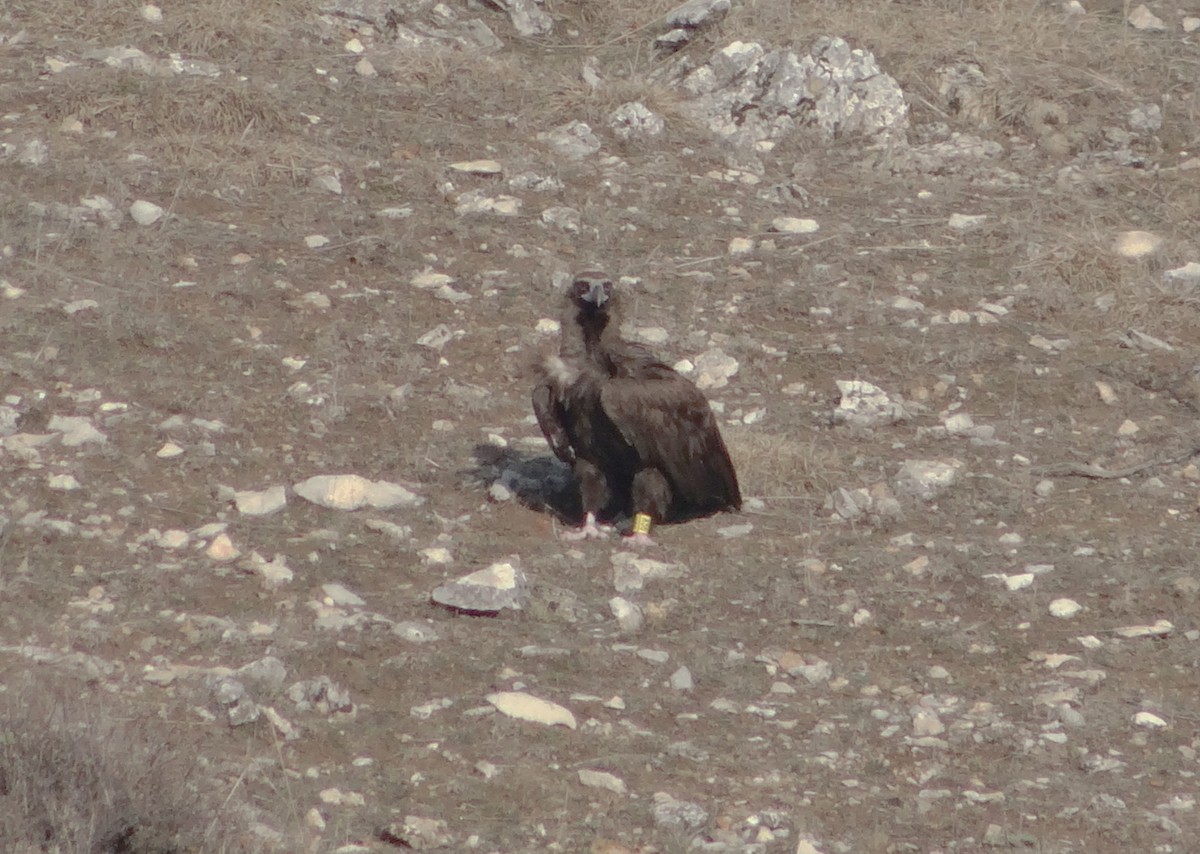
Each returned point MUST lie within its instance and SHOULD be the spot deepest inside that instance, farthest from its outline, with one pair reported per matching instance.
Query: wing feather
(668, 422)
(550, 410)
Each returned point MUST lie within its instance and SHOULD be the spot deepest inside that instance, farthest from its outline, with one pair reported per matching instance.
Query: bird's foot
(639, 540)
(639, 531)
(591, 530)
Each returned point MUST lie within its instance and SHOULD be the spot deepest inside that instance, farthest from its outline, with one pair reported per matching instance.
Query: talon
(590, 530)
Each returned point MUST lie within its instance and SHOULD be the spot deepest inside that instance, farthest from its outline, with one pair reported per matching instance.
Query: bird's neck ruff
(560, 371)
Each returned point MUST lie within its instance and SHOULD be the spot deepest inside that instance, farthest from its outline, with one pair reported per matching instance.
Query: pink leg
(640, 540)
(591, 530)
(639, 532)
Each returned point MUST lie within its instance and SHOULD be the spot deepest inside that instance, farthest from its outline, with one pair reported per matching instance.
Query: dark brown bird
(641, 438)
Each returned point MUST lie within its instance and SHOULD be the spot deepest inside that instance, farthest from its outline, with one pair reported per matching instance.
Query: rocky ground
(272, 277)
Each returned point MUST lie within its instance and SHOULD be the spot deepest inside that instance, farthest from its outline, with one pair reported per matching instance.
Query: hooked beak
(596, 294)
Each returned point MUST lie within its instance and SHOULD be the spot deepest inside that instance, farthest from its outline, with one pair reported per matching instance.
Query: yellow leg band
(641, 523)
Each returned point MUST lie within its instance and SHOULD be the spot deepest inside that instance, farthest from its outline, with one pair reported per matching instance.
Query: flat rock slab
(487, 591)
(261, 503)
(350, 492)
(526, 707)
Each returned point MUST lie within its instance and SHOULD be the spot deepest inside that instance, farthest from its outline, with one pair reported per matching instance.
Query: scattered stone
(927, 479)
(487, 591)
(325, 178)
(573, 140)
(1149, 720)
(714, 368)
(73, 308)
(1160, 629)
(864, 404)
(222, 549)
(274, 572)
(1189, 272)
(681, 680)
(1141, 18)
(172, 539)
(731, 532)
(1137, 340)
(527, 19)
(634, 121)
(417, 833)
(631, 571)
(926, 723)
(34, 153)
(428, 280)
(568, 219)
(76, 430)
(602, 780)
(755, 97)
(323, 696)
(338, 798)
(479, 202)
(628, 615)
(316, 241)
(526, 707)
(673, 813)
(483, 168)
(795, 225)
(263, 503)
(336, 594)
(964, 222)
(415, 632)
(1105, 390)
(350, 492)
(264, 676)
(436, 338)
(232, 697)
(1146, 118)
(1065, 608)
(169, 451)
(145, 213)
(63, 483)
(696, 14)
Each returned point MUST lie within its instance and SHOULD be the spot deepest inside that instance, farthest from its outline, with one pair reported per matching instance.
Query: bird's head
(592, 293)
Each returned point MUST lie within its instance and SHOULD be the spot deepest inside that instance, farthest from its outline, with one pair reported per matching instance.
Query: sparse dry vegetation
(75, 778)
(210, 314)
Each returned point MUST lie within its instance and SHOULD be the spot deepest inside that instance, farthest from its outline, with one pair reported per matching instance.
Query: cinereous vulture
(642, 440)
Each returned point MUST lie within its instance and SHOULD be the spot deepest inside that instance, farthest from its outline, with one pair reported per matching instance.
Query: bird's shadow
(543, 483)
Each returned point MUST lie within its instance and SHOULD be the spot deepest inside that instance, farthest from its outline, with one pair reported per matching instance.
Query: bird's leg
(591, 530)
(639, 534)
(651, 500)
(594, 492)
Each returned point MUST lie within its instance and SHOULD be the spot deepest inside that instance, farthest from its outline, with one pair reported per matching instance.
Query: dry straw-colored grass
(780, 466)
(75, 779)
(151, 107)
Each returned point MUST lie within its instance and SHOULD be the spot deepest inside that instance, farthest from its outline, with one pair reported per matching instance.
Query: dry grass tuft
(73, 779)
(777, 466)
(147, 106)
(221, 30)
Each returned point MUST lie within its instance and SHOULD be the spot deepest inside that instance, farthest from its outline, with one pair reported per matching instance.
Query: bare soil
(957, 714)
